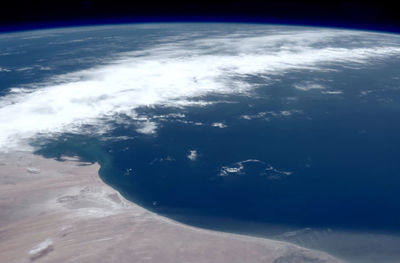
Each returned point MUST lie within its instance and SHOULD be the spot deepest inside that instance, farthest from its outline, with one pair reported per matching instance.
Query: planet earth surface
(285, 132)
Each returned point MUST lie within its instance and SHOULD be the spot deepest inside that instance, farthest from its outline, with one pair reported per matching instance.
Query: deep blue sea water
(342, 152)
(326, 157)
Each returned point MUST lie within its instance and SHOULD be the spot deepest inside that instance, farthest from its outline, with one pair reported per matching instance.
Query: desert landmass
(61, 211)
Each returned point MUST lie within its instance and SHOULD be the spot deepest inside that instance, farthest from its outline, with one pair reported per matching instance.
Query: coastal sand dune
(61, 211)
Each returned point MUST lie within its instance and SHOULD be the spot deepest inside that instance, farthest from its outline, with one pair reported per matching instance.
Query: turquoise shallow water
(305, 148)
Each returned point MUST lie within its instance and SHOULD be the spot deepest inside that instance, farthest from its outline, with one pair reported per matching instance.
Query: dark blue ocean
(342, 153)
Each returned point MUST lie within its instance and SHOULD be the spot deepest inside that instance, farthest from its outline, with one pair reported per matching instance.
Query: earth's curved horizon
(285, 132)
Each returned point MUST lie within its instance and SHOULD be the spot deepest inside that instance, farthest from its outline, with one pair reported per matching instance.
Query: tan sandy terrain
(61, 211)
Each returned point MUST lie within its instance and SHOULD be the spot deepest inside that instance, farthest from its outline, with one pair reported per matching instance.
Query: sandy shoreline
(61, 211)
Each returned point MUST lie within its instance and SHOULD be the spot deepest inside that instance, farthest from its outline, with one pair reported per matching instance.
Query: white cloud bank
(173, 74)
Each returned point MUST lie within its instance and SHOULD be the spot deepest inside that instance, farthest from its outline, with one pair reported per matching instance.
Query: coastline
(61, 211)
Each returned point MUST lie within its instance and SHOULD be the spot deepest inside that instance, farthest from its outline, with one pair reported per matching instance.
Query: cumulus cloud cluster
(173, 74)
(239, 168)
(268, 115)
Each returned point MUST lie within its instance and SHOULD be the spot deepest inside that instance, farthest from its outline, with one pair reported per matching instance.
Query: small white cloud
(24, 69)
(236, 168)
(268, 115)
(4, 70)
(297, 232)
(308, 86)
(268, 170)
(192, 155)
(167, 159)
(19, 90)
(285, 113)
(276, 174)
(365, 92)
(332, 92)
(246, 117)
(128, 172)
(42, 248)
(163, 159)
(147, 127)
(169, 116)
(219, 125)
(33, 170)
